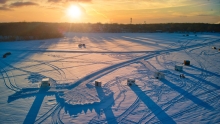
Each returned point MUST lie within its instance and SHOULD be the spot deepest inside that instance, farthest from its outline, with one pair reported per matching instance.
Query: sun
(73, 11)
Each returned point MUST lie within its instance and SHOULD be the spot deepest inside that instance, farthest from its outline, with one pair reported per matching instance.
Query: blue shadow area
(211, 73)
(32, 92)
(105, 104)
(200, 79)
(188, 95)
(158, 112)
(32, 114)
(108, 111)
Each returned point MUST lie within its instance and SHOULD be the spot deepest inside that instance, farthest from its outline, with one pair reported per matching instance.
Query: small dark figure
(4, 56)
(182, 76)
(8, 53)
(80, 45)
(84, 45)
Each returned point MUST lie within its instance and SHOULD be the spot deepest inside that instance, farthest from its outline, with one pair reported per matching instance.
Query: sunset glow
(114, 11)
(73, 11)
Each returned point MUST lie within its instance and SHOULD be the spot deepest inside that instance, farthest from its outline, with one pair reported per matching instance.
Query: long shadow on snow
(32, 92)
(38, 101)
(200, 79)
(141, 42)
(188, 95)
(32, 113)
(158, 112)
(211, 73)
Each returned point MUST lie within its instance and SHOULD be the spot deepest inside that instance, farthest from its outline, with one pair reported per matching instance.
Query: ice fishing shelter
(178, 67)
(81, 45)
(186, 62)
(98, 83)
(45, 82)
(130, 82)
(213, 47)
(159, 75)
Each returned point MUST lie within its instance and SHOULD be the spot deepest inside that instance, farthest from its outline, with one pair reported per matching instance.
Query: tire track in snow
(56, 116)
(122, 64)
(131, 108)
(9, 85)
(126, 63)
(193, 89)
(47, 114)
(30, 72)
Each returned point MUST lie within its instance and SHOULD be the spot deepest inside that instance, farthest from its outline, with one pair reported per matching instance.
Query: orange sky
(111, 11)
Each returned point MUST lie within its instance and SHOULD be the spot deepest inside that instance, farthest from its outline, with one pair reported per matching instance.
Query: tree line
(28, 31)
(41, 30)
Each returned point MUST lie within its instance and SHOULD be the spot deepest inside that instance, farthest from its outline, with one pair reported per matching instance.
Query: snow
(111, 58)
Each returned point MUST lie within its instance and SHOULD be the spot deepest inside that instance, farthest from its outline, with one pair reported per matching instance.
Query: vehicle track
(47, 114)
(9, 85)
(109, 69)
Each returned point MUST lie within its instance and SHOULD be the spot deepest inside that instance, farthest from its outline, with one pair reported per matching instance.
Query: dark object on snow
(6, 54)
(186, 62)
(182, 76)
(187, 34)
(218, 49)
(213, 47)
(178, 67)
(159, 75)
(130, 82)
(98, 83)
(84, 45)
(81, 45)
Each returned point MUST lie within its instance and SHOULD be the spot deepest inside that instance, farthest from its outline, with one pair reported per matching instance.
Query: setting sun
(73, 11)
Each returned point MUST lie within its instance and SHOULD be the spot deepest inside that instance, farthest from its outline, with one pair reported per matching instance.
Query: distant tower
(131, 21)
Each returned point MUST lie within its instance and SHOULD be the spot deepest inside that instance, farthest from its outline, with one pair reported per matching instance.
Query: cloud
(2, 1)
(217, 22)
(81, 0)
(4, 8)
(20, 4)
(56, 1)
(203, 15)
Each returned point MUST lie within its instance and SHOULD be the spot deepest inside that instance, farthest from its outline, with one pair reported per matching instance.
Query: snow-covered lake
(112, 59)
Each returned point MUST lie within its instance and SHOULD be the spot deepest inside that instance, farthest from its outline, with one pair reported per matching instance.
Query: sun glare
(73, 11)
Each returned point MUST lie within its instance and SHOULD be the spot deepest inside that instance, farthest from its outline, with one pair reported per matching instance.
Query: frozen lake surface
(111, 58)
